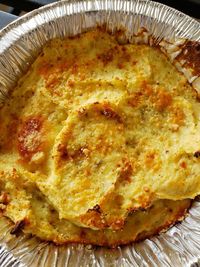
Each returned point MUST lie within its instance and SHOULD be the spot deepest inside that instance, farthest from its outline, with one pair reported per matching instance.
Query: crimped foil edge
(19, 44)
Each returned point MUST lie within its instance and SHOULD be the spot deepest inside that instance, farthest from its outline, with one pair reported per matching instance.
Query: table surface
(6, 18)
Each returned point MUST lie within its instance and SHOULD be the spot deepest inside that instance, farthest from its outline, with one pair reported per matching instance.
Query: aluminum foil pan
(143, 21)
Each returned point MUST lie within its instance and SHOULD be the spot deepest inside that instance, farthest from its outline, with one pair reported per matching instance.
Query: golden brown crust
(102, 131)
(181, 214)
(30, 137)
(43, 220)
(106, 242)
(190, 54)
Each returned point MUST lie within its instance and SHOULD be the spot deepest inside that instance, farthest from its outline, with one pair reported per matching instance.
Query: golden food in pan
(99, 143)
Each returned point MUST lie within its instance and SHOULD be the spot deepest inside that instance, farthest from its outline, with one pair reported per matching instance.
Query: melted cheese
(99, 129)
(86, 161)
(30, 210)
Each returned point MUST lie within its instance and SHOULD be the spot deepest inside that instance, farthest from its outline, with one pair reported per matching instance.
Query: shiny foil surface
(20, 42)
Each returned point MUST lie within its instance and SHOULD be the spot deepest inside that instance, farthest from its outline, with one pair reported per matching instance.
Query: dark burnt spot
(53, 211)
(96, 208)
(75, 37)
(197, 154)
(191, 53)
(126, 172)
(124, 49)
(76, 154)
(18, 227)
(63, 151)
(142, 209)
(79, 153)
(106, 57)
(109, 113)
(5, 198)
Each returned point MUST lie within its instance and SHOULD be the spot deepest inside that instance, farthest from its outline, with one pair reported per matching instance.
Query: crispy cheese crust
(99, 143)
(32, 213)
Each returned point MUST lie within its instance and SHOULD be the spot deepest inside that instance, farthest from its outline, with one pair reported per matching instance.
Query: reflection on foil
(20, 42)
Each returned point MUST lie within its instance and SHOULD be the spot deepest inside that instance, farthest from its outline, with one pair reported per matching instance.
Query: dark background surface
(190, 7)
(6, 18)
